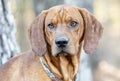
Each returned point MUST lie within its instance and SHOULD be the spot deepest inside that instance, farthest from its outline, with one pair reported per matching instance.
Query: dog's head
(63, 28)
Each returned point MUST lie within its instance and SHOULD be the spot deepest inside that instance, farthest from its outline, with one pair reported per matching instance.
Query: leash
(48, 71)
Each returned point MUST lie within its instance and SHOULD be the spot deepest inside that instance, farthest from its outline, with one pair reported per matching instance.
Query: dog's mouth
(67, 51)
(63, 51)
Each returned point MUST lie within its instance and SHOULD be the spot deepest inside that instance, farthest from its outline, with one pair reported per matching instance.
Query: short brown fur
(27, 67)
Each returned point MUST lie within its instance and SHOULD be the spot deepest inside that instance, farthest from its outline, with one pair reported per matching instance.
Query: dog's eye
(51, 26)
(73, 24)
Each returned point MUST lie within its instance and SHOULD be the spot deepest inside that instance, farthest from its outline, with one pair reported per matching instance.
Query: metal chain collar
(49, 72)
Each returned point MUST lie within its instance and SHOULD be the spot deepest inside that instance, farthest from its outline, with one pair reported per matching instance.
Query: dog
(56, 36)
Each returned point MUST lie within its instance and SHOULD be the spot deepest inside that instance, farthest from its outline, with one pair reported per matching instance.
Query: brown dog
(56, 37)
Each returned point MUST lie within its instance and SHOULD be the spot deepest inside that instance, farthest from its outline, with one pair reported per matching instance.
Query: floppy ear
(37, 34)
(93, 31)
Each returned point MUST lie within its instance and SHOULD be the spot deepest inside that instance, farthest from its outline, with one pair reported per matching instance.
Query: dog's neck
(64, 67)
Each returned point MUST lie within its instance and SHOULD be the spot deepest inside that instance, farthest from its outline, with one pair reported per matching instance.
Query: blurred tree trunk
(85, 71)
(8, 45)
(40, 5)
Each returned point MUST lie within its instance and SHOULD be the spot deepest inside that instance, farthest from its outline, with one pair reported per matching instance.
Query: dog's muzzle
(61, 42)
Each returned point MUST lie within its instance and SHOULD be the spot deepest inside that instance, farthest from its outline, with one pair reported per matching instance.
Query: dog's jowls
(56, 35)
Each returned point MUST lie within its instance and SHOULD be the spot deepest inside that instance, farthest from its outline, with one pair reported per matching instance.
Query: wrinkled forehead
(63, 13)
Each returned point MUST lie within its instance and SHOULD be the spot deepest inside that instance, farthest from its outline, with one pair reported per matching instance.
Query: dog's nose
(61, 41)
